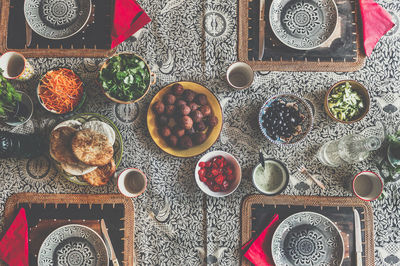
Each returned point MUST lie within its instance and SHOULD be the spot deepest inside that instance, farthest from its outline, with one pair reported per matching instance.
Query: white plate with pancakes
(87, 149)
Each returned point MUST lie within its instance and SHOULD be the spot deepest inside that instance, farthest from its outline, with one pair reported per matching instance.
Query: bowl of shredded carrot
(61, 91)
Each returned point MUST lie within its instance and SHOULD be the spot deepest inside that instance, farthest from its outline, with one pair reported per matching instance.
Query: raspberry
(202, 172)
(202, 164)
(219, 179)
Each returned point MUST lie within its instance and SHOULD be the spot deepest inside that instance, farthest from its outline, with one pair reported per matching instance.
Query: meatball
(197, 116)
(162, 120)
(169, 98)
(172, 141)
(212, 121)
(184, 110)
(185, 142)
(200, 126)
(188, 95)
(178, 131)
(170, 110)
(158, 108)
(193, 106)
(201, 99)
(206, 110)
(186, 122)
(180, 102)
(165, 131)
(177, 89)
(199, 138)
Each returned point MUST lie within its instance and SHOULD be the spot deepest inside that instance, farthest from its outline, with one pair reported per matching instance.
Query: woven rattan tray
(257, 211)
(341, 53)
(93, 41)
(44, 209)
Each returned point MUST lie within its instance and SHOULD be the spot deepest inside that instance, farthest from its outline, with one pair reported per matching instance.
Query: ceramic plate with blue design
(307, 238)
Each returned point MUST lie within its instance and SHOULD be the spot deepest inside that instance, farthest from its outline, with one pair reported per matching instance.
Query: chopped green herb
(345, 103)
(125, 78)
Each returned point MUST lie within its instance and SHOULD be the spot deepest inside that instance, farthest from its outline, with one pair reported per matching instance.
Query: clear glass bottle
(348, 149)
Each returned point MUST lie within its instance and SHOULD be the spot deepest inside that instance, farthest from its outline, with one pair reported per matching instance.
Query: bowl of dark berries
(285, 119)
(218, 174)
(184, 119)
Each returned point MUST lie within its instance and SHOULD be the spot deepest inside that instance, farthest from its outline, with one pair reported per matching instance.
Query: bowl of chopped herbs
(347, 101)
(125, 78)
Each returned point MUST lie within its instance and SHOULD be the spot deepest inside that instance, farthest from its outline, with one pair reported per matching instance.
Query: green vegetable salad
(345, 103)
(126, 77)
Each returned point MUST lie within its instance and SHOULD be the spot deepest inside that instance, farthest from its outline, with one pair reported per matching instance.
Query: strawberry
(202, 164)
(203, 179)
(208, 164)
(214, 172)
(225, 185)
(216, 188)
(202, 172)
(228, 171)
(230, 178)
(210, 183)
(215, 165)
(219, 179)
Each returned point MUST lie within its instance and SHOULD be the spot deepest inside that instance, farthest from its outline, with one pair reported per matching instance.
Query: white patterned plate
(73, 245)
(307, 238)
(303, 24)
(57, 19)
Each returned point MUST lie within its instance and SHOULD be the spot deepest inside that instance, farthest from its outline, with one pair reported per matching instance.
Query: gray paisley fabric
(175, 223)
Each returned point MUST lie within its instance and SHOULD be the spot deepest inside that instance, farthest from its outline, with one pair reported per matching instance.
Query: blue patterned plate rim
(309, 116)
(282, 230)
(322, 16)
(67, 27)
(75, 231)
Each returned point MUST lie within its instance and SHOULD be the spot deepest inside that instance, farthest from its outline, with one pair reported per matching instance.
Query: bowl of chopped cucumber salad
(347, 101)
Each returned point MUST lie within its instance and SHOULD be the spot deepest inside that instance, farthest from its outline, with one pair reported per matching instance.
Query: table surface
(176, 223)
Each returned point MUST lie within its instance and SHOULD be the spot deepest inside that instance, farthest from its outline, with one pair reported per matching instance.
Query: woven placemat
(75, 207)
(295, 204)
(281, 58)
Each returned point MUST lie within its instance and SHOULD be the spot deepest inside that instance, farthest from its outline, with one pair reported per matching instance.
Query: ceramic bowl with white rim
(237, 173)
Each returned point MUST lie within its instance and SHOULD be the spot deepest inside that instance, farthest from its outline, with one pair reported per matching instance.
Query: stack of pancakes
(85, 150)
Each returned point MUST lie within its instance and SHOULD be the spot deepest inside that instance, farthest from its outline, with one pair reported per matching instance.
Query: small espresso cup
(367, 185)
(132, 182)
(15, 66)
(240, 75)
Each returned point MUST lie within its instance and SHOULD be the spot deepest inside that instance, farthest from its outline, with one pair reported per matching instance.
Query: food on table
(206, 110)
(60, 90)
(201, 99)
(345, 103)
(172, 141)
(101, 175)
(93, 140)
(185, 142)
(186, 122)
(200, 126)
(199, 138)
(193, 106)
(170, 110)
(197, 116)
(180, 102)
(271, 179)
(282, 120)
(177, 89)
(184, 109)
(159, 107)
(162, 120)
(165, 131)
(92, 148)
(169, 98)
(188, 95)
(60, 145)
(217, 173)
(212, 121)
(125, 77)
(102, 128)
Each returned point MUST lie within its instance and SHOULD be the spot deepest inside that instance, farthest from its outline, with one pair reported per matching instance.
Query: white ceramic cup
(15, 66)
(240, 75)
(367, 185)
(132, 182)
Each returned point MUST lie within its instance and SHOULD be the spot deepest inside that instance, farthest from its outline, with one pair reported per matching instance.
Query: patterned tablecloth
(176, 224)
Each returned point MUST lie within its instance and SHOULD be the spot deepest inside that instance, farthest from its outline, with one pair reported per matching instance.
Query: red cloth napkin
(259, 252)
(129, 17)
(14, 245)
(376, 22)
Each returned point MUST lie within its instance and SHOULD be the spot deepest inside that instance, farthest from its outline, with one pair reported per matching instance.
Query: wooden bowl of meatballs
(184, 119)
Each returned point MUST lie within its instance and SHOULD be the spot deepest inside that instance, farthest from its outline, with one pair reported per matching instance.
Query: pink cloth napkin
(376, 22)
(129, 17)
(14, 245)
(259, 252)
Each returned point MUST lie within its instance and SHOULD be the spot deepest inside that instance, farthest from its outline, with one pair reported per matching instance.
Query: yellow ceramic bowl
(212, 133)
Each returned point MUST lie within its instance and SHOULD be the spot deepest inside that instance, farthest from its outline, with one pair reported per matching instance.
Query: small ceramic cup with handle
(15, 66)
(240, 75)
(132, 182)
(367, 185)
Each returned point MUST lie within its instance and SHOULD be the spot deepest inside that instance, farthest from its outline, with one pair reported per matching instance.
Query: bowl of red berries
(218, 174)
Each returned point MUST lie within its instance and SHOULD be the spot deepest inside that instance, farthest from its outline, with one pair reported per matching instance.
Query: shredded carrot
(61, 90)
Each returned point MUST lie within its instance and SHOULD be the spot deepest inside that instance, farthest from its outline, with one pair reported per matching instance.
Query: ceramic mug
(15, 66)
(132, 182)
(367, 185)
(240, 75)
